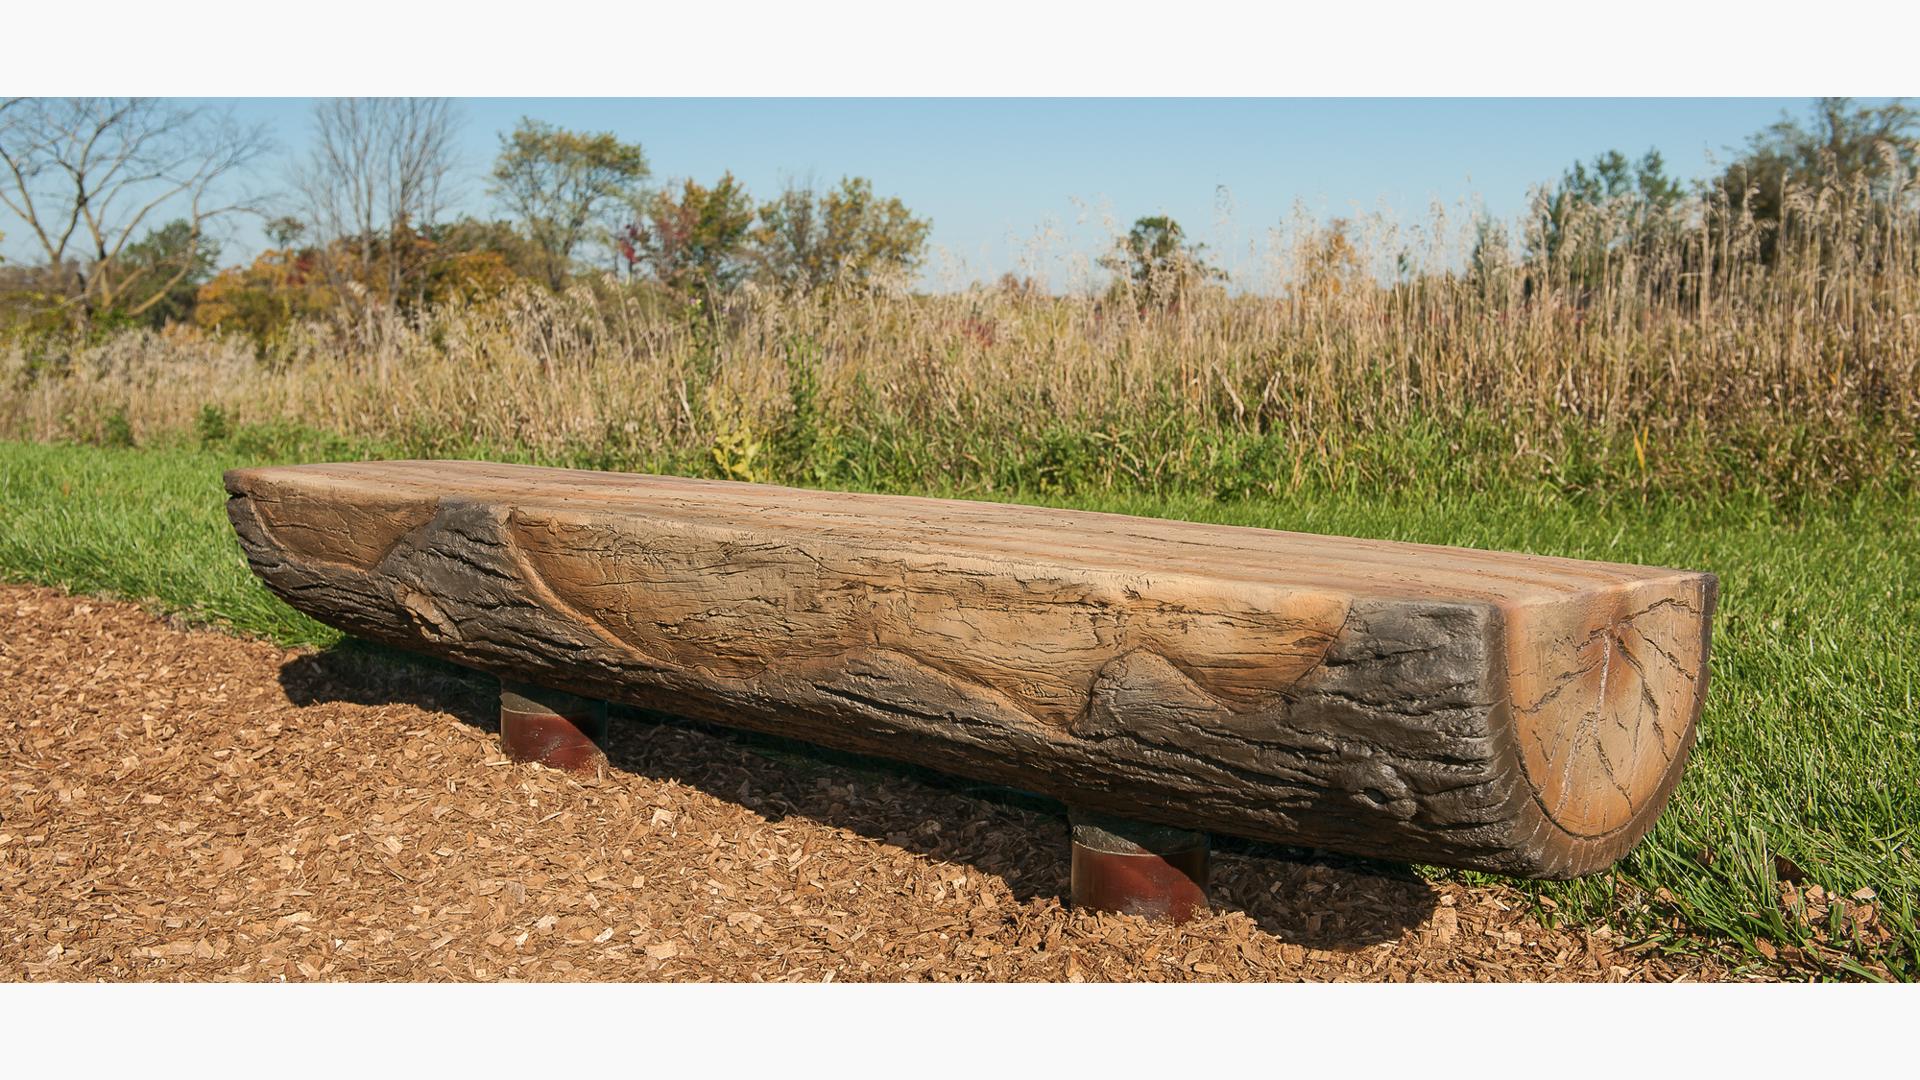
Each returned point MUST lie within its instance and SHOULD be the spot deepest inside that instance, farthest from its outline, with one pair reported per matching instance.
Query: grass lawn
(1808, 763)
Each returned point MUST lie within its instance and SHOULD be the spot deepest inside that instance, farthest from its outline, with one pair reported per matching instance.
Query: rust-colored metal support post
(1138, 869)
(552, 727)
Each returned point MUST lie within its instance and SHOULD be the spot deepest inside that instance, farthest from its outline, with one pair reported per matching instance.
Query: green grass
(1809, 750)
(147, 525)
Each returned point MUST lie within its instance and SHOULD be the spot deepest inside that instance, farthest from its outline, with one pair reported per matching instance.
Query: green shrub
(212, 426)
(117, 430)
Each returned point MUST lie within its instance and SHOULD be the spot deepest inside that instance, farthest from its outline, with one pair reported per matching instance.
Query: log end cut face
(1605, 689)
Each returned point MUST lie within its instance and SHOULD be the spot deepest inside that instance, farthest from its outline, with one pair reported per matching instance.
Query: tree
(285, 231)
(695, 244)
(566, 187)
(1157, 264)
(463, 261)
(1490, 262)
(1642, 189)
(90, 176)
(849, 236)
(378, 176)
(174, 244)
(1846, 144)
(468, 236)
(1330, 262)
(282, 287)
(1598, 214)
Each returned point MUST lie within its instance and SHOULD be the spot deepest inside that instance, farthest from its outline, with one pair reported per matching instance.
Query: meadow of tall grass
(1700, 353)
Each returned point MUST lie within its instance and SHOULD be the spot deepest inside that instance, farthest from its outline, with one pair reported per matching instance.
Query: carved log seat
(1513, 713)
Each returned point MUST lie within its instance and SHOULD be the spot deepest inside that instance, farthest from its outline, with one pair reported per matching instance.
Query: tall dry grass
(1664, 354)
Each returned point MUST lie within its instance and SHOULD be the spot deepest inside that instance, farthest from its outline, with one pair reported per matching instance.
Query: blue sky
(994, 174)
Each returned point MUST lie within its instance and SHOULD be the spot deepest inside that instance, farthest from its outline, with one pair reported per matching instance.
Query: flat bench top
(1009, 533)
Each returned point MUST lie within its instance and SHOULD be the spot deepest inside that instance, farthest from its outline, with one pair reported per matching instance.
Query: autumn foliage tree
(1329, 263)
(464, 261)
(282, 286)
(693, 242)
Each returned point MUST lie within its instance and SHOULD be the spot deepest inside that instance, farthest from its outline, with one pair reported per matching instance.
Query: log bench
(1512, 713)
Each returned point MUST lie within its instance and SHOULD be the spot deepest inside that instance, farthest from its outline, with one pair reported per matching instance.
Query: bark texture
(1503, 712)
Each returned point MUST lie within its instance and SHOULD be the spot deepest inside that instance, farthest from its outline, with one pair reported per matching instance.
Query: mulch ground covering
(188, 805)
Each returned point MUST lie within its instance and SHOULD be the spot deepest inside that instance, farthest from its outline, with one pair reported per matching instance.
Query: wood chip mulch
(189, 805)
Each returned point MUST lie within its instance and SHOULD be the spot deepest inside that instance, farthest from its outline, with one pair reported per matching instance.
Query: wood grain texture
(1513, 713)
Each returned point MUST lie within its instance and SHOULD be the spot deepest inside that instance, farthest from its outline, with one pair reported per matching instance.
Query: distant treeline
(364, 224)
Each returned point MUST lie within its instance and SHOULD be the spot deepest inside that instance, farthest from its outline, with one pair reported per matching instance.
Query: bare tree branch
(107, 169)
(379, 172)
